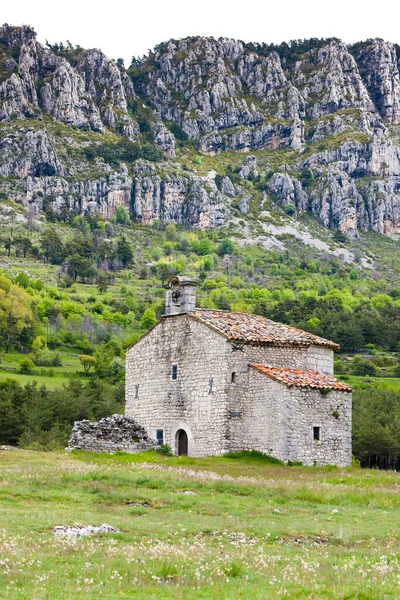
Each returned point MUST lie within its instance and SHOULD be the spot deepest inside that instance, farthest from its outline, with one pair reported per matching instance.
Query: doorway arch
(182, 442)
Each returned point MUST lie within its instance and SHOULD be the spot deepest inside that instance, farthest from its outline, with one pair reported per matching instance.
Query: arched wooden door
(182, 439)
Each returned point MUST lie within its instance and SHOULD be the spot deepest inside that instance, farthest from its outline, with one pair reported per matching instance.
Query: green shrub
(290, 210)
(26, 365)
(165, 450)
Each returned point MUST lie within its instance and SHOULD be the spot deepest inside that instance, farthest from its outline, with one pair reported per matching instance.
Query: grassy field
(195, 528)
(355, 381)
(51, 382)
(51, 377)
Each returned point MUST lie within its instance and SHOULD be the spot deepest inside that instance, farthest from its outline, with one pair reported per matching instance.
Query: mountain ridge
(203, 132)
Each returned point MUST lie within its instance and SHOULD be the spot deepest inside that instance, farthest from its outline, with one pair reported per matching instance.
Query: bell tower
(180, 296)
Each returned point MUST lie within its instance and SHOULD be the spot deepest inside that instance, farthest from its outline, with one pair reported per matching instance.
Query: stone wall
(197, 400)
(109, 435)
(293, 357)
(273, 418)
(320, 359)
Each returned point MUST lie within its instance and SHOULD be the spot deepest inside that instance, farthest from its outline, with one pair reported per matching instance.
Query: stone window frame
(157, 437)
(319, 440)
(174, 372)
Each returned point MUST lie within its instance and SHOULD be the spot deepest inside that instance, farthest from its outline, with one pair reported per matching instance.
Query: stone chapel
(208, 382)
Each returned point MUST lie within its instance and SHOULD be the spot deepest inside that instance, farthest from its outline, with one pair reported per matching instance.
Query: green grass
(356, 381)
(195, 528)
(50, 382)
(9, 367)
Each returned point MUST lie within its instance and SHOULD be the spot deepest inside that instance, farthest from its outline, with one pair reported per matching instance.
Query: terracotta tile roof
(247, 329)
(299, 378)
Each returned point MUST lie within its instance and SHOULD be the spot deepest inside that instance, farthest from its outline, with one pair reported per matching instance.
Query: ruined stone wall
(197, 400)
(109, 435)
(271, 417)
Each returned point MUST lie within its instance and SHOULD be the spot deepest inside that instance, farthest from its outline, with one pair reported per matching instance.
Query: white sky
(124, 28)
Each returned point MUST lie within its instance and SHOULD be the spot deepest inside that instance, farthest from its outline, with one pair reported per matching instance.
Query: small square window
(174, 372)
(160, 436)
(317, 434)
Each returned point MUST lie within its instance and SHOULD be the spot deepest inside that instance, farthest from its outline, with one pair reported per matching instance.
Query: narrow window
(160, 436)
(211, 382)
(233, 377)
(137, 391)
(317, 434)
(174, 372)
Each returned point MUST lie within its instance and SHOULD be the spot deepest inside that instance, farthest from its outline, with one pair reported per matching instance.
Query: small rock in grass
(84, 530)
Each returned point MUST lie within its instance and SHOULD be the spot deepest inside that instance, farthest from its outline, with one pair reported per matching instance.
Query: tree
(148, 319)
(23, 244)
(121, 215)
(8, 245)
(22, 280)
(16, 317)
(124, 251)
(227, 246)
(52, 246)
(79, 266)
(102, 282)
(203, 247)
(87, 362)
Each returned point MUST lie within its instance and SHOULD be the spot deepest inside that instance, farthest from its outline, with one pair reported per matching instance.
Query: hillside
(203, 132)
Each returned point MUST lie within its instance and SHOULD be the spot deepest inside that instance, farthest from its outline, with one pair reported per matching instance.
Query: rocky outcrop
(332, 83)
(103, 82)
(102, 195)
(163, 139)
(116, 433)
(187, 200)
(29, 153)
(208, 86)
(288, 190)
(191, 201)
(378, 64)
(326, 114)
(16, 36)
(89, 92)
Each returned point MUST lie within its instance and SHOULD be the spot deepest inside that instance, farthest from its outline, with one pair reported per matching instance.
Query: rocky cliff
(202, 129)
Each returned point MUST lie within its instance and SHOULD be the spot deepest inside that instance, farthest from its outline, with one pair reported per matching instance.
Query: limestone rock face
(332, 83)
(378, 64)
(64, 98)
(90, 92)
(289, 191)
(102, 195)
(13, 99)
(314, 124)
(16, 36)
(28, 152)
(164, 139)
(186, 200)
(103, 82)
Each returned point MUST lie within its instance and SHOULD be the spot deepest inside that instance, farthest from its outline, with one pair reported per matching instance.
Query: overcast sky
(123, 29)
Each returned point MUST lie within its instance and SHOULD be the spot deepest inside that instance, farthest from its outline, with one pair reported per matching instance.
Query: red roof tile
(247, 329)
(299, 378)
